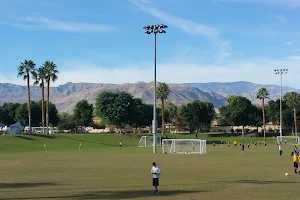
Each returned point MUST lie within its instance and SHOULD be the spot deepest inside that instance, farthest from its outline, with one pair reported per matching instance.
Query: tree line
(121, 109)
(12, 112)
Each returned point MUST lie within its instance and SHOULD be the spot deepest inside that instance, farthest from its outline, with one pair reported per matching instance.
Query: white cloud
(188, 26)
(285, 3)
(255, 70)
(281, 19)
(294, 57)
(44, 23)
(223, 47)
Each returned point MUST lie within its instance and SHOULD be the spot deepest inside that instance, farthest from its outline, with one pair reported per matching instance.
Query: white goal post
(184, 146)
(42, 130)
(147, 141)
(293, 140)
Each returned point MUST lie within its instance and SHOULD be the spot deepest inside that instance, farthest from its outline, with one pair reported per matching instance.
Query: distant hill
(66, 96)
(243, 88)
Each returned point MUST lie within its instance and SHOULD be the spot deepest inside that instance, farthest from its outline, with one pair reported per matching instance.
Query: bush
(217, 130)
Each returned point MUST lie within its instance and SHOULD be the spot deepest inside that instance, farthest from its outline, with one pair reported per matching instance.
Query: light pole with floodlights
(281, 72)
(155, 28)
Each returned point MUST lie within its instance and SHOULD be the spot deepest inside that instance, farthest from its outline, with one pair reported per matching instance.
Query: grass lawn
(103, 170)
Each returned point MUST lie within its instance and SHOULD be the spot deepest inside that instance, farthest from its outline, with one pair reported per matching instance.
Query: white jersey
(155, 171)
(280, 147)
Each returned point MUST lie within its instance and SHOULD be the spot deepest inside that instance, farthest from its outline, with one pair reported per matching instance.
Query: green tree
(293, 101)
(272, 111)
(1, 114)
(172, 113)
(66, 122)
(209, 114)
(263, 94)
(83, 113)
(26, 70)
(115, 108)
(22, 111)
(239, 111)
(197, 115)
(163, 92)
(51, 74)
(142, 114)
(53, 114)
(40, 77)
(8, 113)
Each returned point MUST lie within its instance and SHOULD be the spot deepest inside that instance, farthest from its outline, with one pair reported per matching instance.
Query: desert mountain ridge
(67, 95)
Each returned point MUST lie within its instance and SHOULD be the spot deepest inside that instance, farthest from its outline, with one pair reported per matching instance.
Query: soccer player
(280, 149)
(234, 142)
(243, 148)
(120, 143)
(248, 145)
(296, 160)
(155, 170)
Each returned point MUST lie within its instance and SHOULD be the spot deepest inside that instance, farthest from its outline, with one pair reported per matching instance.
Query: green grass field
(103, 170)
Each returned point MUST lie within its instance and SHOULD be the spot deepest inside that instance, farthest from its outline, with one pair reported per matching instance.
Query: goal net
(184, 146)
(293, 140)
(147, 141)
(42, 130)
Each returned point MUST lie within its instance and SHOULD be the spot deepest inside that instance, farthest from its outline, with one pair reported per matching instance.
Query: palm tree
(26, 69)
(263, 94)
(40, 77)
(163, 92)
(293, 101)
(50, 75)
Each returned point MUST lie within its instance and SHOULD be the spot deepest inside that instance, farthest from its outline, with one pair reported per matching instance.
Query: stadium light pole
(155, 29)
(280, 72)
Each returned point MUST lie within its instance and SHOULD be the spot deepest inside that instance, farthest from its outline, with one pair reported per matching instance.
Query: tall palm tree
(40, 77)
(263, 94)
(25, 70)
(50, 75)
(293, 101)
(163, 92)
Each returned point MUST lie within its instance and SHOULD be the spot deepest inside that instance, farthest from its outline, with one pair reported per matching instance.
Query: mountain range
(66, 96)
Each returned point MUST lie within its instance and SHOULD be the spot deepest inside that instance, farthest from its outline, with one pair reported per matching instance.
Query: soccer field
(103, 170)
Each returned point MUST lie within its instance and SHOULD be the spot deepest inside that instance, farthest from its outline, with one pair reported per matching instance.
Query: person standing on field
(155, 171)
(296, 160)
(280, 149)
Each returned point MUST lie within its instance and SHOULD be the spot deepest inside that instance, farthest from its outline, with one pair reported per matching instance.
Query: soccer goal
(183, 146)
(147, 141)
(293, 140)
(42, 130)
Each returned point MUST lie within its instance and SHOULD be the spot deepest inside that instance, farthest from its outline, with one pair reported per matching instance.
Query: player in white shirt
(280, 148)
(155, 171)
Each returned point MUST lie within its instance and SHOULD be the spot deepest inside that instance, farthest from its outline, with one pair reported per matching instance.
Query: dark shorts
(155, 182)
(295, 164)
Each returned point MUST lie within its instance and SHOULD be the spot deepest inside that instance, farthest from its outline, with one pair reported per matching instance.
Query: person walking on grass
(155, 171)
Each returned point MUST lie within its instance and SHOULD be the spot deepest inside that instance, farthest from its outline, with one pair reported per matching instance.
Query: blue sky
(103, 41)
